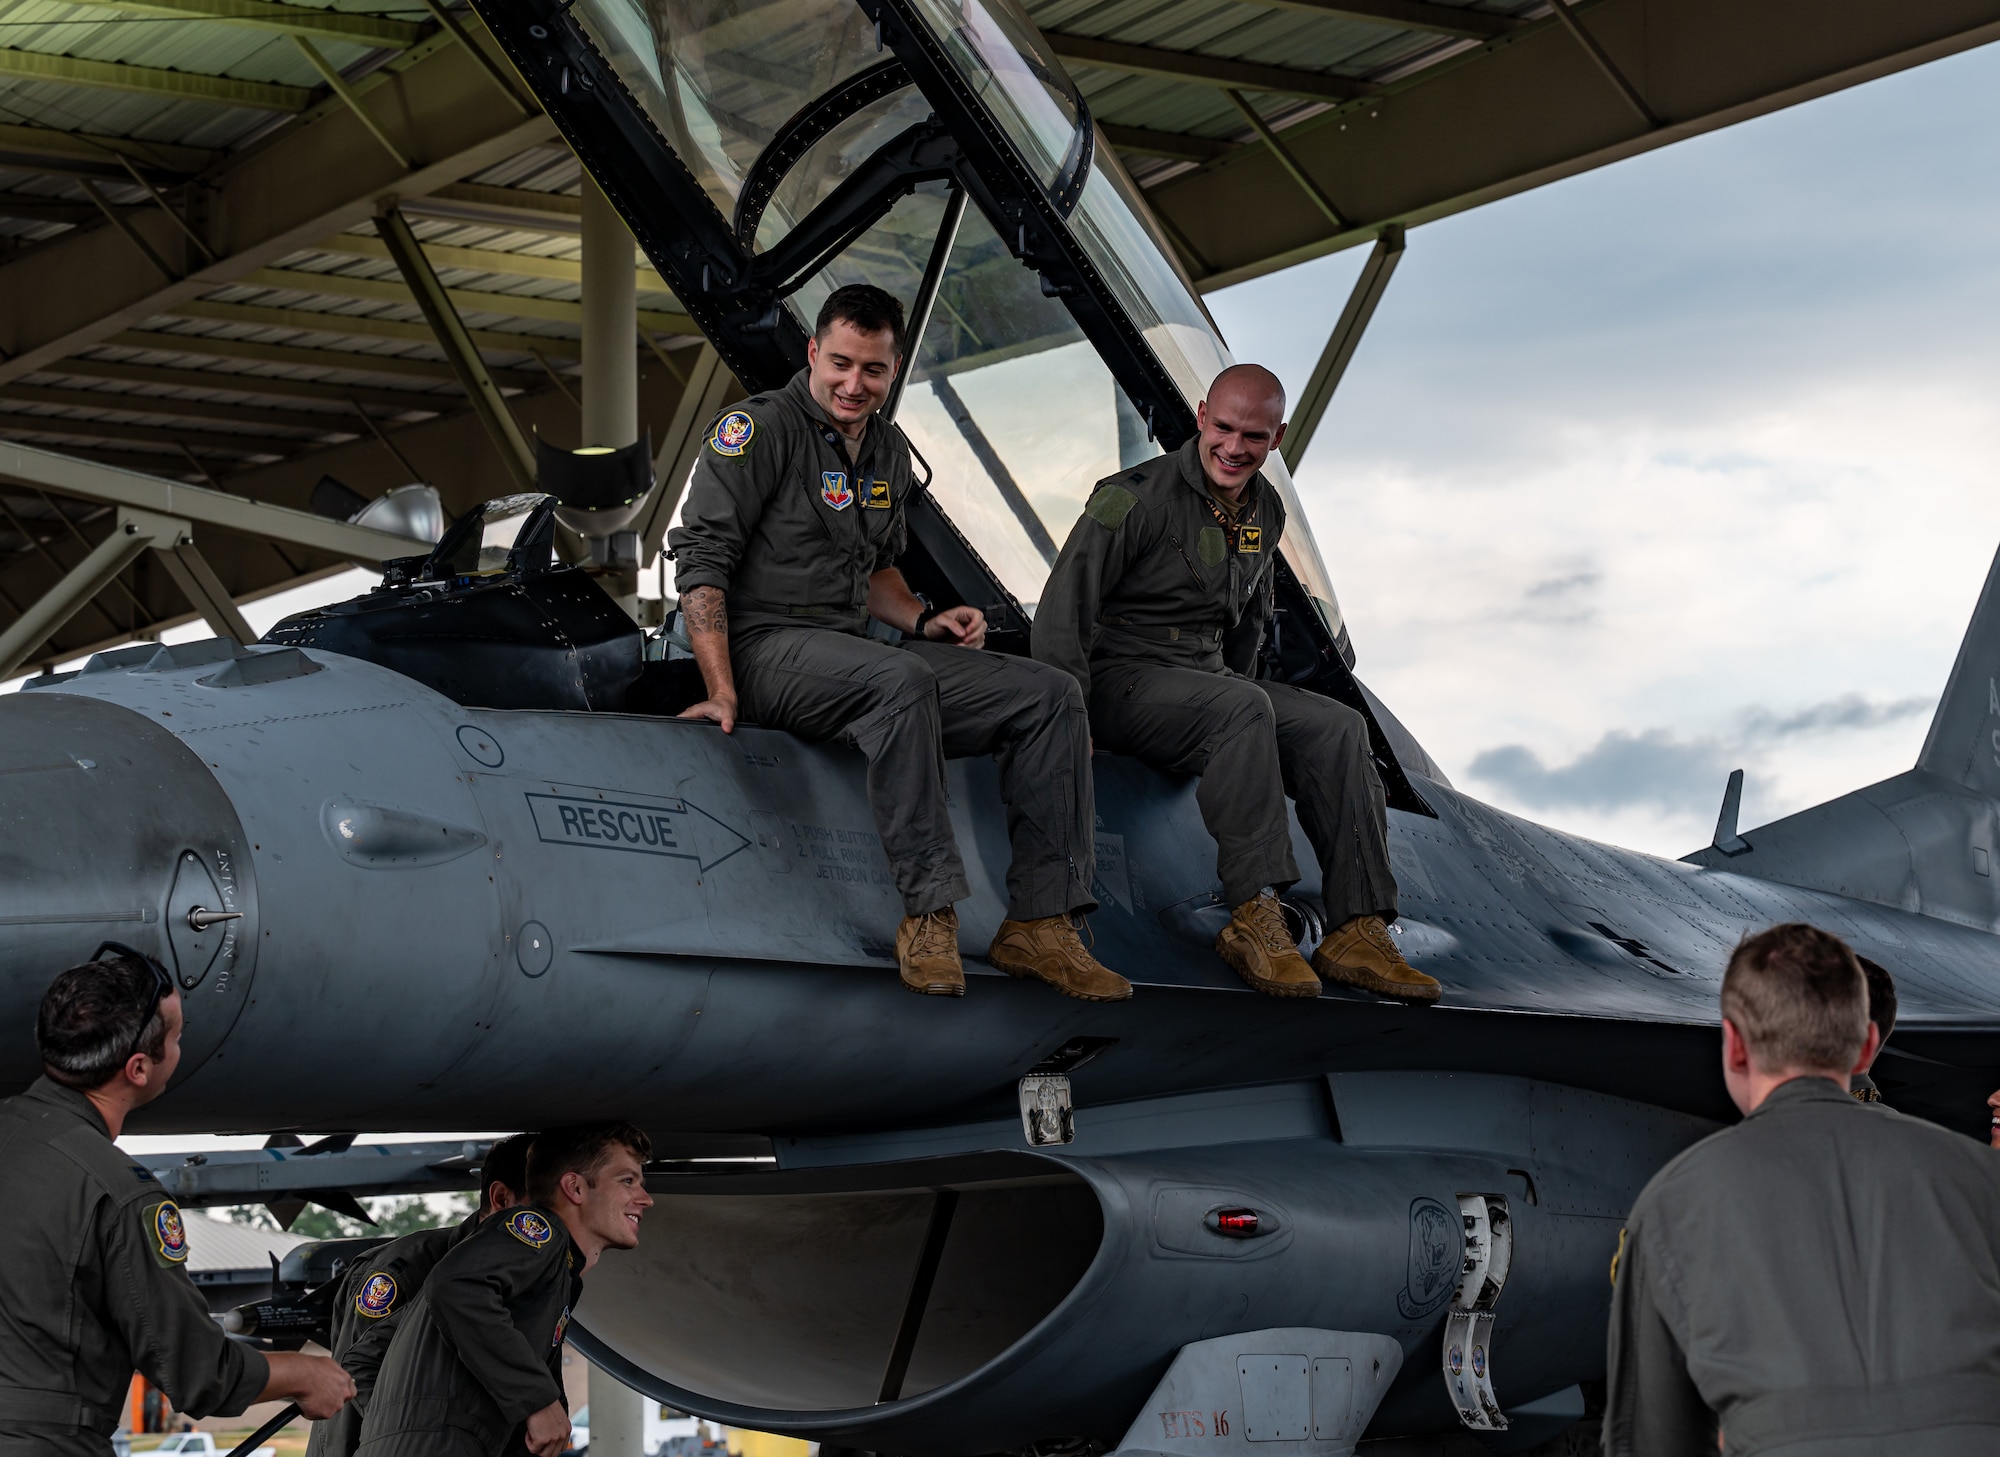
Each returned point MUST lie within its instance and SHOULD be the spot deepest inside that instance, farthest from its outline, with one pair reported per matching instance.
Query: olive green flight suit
(481, 1349)
(93, 1285)
(1823, 1280)
(1158, 608)
(791, 529)
(375, 1294)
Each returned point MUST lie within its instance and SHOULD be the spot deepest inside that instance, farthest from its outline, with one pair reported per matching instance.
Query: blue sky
(1680, 466)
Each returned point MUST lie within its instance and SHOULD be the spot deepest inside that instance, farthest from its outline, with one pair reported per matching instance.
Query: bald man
(1157, 606)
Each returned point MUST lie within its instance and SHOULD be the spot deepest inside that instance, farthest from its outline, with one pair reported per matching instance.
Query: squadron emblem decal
(529, 1228)
(834, 491)
(169, 1232)
(377, 1297)
(732, 433)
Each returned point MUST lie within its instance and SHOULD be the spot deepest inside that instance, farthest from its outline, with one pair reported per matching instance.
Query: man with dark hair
(94, 1284)
(1823, 1278)
(787, 547)
(381, 1285)
(1157, 607)
(1882, 1016)
(477, 1366)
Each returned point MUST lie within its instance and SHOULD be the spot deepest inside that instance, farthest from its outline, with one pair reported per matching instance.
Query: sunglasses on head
(163, 987)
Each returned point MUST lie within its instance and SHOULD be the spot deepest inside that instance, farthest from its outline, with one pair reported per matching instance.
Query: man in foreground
(1823, 1279)
(477, 1367)
(787, 547)
(382, 1285)
(1157, 607)
(94, 1284)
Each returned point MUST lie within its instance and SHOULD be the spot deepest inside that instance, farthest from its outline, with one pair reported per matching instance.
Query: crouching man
(1157, 606)
(476, 1368)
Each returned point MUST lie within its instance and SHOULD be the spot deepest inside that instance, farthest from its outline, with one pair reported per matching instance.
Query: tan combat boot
(927, 954)
(1363, 954)
(1261, 949)
(1049, 950)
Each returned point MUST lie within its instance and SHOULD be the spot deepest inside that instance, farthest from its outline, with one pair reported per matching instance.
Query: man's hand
(319, 1384)
(548, 1431)
(965, 626)
(719, 709)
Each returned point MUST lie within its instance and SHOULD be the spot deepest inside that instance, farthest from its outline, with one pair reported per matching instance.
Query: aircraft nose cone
(112, 829)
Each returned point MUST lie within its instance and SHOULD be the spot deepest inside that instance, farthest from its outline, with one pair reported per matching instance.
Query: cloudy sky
(1677, 467)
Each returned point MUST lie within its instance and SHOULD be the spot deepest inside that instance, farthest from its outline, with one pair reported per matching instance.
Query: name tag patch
(1250, 538)
(878, 496)
(732, 433)
(833, 489)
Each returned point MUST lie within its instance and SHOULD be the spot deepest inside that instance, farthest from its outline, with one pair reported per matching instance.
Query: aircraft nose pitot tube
(112, 829)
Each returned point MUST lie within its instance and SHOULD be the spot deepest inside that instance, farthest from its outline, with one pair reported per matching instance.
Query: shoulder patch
(377, 1296)
(732, 433)
(166, 1232)
(1110, 505)
(529, 1228)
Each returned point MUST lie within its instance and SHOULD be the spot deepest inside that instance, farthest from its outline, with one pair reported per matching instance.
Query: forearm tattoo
(706, 611)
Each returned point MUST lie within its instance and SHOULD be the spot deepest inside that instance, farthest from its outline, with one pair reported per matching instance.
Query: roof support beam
(1480, 127)
(709, 387)
(516, 456)
(1458, 20)
(337, 83)
(367, 326)
(1616, 77)
(1201, 70)
(153, 81)
(507, 207)
(321, 422)
(1341, 344)
(169, 436)
(133, 534)
(215, 344)
(204, 590)
(492, 260)
(374, 31)
(234, 382)
(1180, 146)
(1285, 158)
(67, 476)
(88, 155)
(317, 177)
(471, 300)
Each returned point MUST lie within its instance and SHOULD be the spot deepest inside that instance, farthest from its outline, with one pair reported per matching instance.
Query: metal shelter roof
(191, 284)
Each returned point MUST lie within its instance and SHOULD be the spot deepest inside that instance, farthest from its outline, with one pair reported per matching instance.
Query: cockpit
(766, 152)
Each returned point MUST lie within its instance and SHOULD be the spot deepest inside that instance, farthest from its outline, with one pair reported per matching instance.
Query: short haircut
(1799, 998)
(1881, 995)
(90, 1017)
(506, 1162)
(578, 1150)
(867, 308)
(1252, 377)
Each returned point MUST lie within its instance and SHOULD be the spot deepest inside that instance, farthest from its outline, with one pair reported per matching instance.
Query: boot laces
(1267, 921)
(934, 936)
(1377, 935)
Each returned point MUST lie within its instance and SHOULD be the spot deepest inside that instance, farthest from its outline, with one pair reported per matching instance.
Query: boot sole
(1278, 988)
(1367, 981)
(1024, 971)
(935, 988)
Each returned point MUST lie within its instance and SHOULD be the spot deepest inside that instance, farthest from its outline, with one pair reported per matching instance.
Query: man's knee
(895, 678)
(1324, 726)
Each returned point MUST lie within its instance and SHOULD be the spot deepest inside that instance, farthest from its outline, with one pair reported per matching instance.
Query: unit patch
(878, 496)
(833, 489)
(732, 433)
(1110, 505)
(377, 1296)
(529, 1228)
(169, 1232)
(1250, 538)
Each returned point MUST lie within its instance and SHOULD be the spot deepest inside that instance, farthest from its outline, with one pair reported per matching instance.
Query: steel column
(610, 324)
(131, 536)
(1341, 344)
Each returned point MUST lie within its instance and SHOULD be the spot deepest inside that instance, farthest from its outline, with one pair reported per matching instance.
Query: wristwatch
(923, 616)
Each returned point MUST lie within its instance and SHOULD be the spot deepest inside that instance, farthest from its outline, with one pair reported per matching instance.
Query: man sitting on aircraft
(786, 548)
(1157, 606)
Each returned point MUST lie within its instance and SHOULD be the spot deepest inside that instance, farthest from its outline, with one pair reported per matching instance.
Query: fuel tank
(990, 1300)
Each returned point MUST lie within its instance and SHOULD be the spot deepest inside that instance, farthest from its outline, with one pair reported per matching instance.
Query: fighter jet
(442, 857)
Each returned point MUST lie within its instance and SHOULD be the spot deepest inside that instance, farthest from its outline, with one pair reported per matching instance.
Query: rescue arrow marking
(670, 827)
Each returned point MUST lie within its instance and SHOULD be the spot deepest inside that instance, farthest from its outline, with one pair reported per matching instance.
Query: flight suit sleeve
(735, 474)
(1652, 1407)
(376, 1300)
(470, 1292)
(175, 1342)
(1102, 544)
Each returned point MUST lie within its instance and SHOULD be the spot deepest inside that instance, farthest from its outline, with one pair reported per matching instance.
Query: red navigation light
(1239, 1223)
